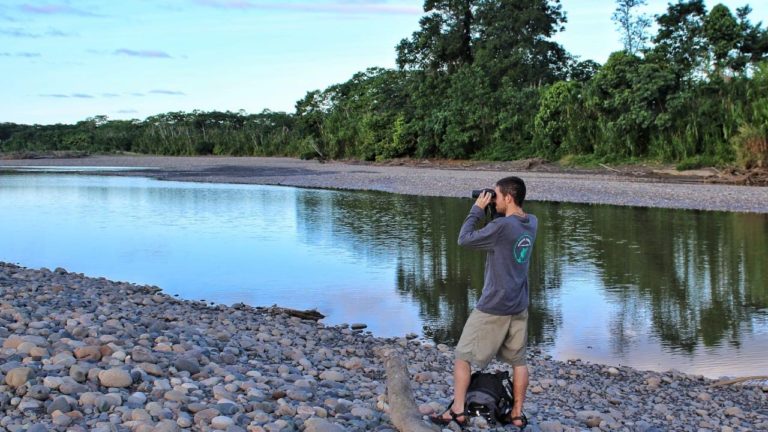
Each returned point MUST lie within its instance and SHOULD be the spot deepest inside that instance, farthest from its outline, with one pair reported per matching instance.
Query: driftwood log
(723, 383)
(402, 408)
(310, 314)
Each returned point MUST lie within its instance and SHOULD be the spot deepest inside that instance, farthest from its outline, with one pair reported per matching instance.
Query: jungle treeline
(484, 79)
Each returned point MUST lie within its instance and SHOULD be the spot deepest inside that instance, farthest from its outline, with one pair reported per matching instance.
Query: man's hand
(483, 200)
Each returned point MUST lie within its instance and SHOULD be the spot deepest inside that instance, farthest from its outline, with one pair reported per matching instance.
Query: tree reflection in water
(694, 278)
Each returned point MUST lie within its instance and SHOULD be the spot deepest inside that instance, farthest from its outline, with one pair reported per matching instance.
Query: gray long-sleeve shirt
(509, 243)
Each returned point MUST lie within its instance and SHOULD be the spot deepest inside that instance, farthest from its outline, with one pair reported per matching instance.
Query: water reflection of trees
(696, 273)
(418, 234)
(698, 277)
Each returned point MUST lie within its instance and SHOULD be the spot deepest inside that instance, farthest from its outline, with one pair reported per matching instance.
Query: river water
(649, 288)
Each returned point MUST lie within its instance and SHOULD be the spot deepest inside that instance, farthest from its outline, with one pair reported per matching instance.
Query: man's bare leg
(461, 375)
(519, 387)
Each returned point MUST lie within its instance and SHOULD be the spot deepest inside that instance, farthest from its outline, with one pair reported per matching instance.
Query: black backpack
(490, 396)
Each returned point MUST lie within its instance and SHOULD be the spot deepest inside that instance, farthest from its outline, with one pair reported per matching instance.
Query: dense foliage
(484, 79)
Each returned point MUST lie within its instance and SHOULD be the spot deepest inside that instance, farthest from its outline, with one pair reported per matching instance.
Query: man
(497, 327)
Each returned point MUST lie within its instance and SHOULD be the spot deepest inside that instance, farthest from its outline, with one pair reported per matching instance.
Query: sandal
(521, 418)
(440, 420)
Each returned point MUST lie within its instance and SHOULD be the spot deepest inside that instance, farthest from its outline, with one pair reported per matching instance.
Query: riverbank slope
(430, 179)
(82, 353)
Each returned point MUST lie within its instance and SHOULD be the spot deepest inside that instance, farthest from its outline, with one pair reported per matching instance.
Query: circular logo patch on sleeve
(523, 247)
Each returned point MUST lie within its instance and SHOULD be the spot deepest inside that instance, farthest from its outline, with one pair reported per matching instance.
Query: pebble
(60, 419)
(331, 375)
(141, 354)
(184, 422)
(227, 408)
(151, 369)
(188, 365)
(551, 426)
(119, 356)
(79, 372)
(39, 392)
(61, 403)
(176, 396)
(221, 422)
(305, 411)
(17, 377)
(321, 425)
(115, 377)
(166, 426)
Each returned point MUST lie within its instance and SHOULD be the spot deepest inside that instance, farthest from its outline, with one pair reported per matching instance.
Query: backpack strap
(509, 393)
(509, 398)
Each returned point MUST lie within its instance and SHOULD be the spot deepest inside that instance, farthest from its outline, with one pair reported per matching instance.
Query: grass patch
(696, 162)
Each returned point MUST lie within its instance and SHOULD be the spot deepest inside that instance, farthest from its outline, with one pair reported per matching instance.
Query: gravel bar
(542, 186)
(89, 354)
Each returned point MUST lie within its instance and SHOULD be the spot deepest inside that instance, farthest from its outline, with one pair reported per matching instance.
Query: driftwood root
(405, 416)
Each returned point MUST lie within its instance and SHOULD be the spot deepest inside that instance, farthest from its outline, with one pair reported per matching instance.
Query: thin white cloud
(19, 33)
(127, 111)
(106, 95)
(23, 33)
(337, 7)
(55, 9)
(167, 92)
(142, 53)
(20, 54)
(4, 17)
(59, 33)
(65, 96)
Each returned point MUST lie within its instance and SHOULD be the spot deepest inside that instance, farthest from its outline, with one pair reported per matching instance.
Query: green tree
(680, 40)
(630, 95)
(469, 121)
(632, 25)
(723, 34)
(514, 41)
(513, 136)
(564, 124)
(311, 111)
(444, 40)
(583, 71)
(427, 118)
(751, 140)
(755, 43)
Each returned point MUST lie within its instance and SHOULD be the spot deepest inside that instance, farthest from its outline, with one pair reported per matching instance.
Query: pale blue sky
(65, 60)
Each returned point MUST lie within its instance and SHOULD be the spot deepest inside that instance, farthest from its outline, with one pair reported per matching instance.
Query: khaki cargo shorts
(486, 336)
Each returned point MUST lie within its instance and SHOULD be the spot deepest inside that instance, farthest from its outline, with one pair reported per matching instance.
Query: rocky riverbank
(82, 353)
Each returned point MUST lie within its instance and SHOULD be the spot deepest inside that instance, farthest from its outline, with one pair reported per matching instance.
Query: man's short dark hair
(514, 186)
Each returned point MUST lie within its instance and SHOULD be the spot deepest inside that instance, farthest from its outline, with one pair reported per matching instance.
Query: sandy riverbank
(82, 353)
(454, 181)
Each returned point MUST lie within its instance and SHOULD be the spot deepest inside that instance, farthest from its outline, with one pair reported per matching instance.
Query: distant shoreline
(429, 179)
